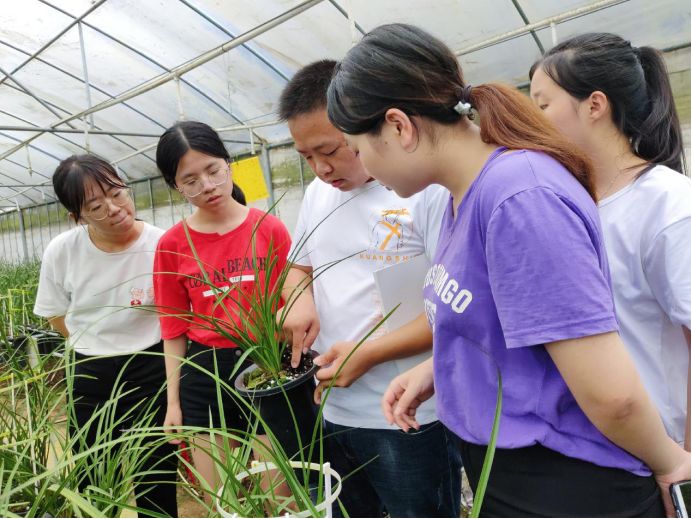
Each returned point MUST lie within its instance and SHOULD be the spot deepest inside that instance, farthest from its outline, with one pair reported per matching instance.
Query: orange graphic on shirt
(393, 225)
(395, 230)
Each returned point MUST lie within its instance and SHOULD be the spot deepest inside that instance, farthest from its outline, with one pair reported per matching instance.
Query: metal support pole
(25, 247)
(57, 217)
(179, 70)
(3, 233)
(28, 161)
(5, 247)
(179, 97)
(10, 234)
(31, 94)
(55, 38)
(133, 192)
(45, 204)
(266, 169)
(553, 33)
(40, 229)
(151, 202)
(85, 70)
(302, 179)
(541, 24)
(28, 212)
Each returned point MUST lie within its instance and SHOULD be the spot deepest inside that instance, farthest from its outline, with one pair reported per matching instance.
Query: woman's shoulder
(523, 171)
(70, 240)
(267, 222)
(172, 237)
(664, 181)
(665, 193)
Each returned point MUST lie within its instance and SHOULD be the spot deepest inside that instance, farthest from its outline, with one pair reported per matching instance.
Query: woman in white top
(615, 102)
(93, 278)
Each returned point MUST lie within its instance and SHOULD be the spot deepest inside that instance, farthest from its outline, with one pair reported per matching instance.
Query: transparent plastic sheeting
(128, 42)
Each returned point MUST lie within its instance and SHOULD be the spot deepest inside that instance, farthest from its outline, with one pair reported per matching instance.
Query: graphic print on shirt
(137, 296)
(390, 232)
(140, 296)
(447, 289)
(430, 311)
(235, 271)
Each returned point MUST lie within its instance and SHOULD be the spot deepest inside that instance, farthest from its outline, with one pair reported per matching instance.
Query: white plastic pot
(329, 495)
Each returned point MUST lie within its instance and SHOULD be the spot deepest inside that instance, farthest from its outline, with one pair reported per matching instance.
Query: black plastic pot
(273, 406)
(49, 343)
(14, 350)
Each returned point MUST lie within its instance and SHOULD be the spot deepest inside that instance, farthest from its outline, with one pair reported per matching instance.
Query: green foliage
(18, 275)
(18, 285)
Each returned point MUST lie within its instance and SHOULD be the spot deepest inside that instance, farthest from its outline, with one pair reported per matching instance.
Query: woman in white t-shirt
(615, 101)
(93, 278)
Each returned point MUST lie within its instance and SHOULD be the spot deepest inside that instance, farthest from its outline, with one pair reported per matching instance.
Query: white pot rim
(264, 466)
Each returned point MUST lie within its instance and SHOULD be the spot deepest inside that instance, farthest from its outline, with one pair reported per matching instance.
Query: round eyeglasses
(194, 186)
(98, 209)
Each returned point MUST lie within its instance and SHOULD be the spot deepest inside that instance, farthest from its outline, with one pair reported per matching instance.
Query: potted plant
(282, 395)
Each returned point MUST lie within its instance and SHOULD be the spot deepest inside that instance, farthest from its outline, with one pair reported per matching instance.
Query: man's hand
(334, 364)
(301, 326)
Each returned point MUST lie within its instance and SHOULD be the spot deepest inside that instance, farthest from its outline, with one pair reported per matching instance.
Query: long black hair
(71, 175)
(635, 81)
(402, 66)
(184, 136)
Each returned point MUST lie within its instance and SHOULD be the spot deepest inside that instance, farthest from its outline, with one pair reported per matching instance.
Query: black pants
(140, 378)
(539, 482)
(199, 392)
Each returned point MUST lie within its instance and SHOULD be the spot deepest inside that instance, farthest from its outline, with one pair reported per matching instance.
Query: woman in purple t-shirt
(519, 283)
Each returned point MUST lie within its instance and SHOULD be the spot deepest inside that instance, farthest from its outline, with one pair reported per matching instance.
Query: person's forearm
(174, 350)
(298, 283)
(606, 385)
(58, 324)
(412, 338)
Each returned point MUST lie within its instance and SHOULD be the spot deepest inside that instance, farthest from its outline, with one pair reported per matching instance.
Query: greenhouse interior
(111, 109)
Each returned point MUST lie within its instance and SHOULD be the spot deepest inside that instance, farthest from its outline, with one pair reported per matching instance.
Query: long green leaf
(489, 454)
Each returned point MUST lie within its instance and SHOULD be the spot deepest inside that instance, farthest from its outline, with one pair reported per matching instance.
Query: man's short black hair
(307, 90)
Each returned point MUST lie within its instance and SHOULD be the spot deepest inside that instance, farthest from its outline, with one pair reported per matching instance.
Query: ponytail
(659, 138)
(634, 80)
(238, 194)
(402, 66)
(508, 118)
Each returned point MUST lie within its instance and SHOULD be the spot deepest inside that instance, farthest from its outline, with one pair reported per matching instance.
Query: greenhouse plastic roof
(150, 62)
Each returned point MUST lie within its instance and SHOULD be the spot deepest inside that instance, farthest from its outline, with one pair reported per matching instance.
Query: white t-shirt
(380, 228)
(98, 292)
(646, 227)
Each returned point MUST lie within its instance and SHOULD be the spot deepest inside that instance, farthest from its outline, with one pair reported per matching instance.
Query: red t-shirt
(179, 285)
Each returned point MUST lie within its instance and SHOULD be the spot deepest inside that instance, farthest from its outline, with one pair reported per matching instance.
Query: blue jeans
(416, 474)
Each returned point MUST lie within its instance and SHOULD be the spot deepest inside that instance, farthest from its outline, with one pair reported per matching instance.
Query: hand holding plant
(334, 366)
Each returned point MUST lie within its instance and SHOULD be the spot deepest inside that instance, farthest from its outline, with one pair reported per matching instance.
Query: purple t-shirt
(523, 264)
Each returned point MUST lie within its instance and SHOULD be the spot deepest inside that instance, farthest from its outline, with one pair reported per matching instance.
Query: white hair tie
(463, 108)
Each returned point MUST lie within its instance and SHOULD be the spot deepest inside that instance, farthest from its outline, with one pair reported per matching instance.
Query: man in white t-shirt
(350, 226)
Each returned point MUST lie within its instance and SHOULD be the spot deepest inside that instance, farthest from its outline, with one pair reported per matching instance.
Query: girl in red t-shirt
(193, 160)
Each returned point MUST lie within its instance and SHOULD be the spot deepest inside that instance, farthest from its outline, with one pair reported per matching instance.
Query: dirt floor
(188, 506)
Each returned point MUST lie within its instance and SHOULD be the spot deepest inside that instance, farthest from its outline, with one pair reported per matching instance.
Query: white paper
(402, 284)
